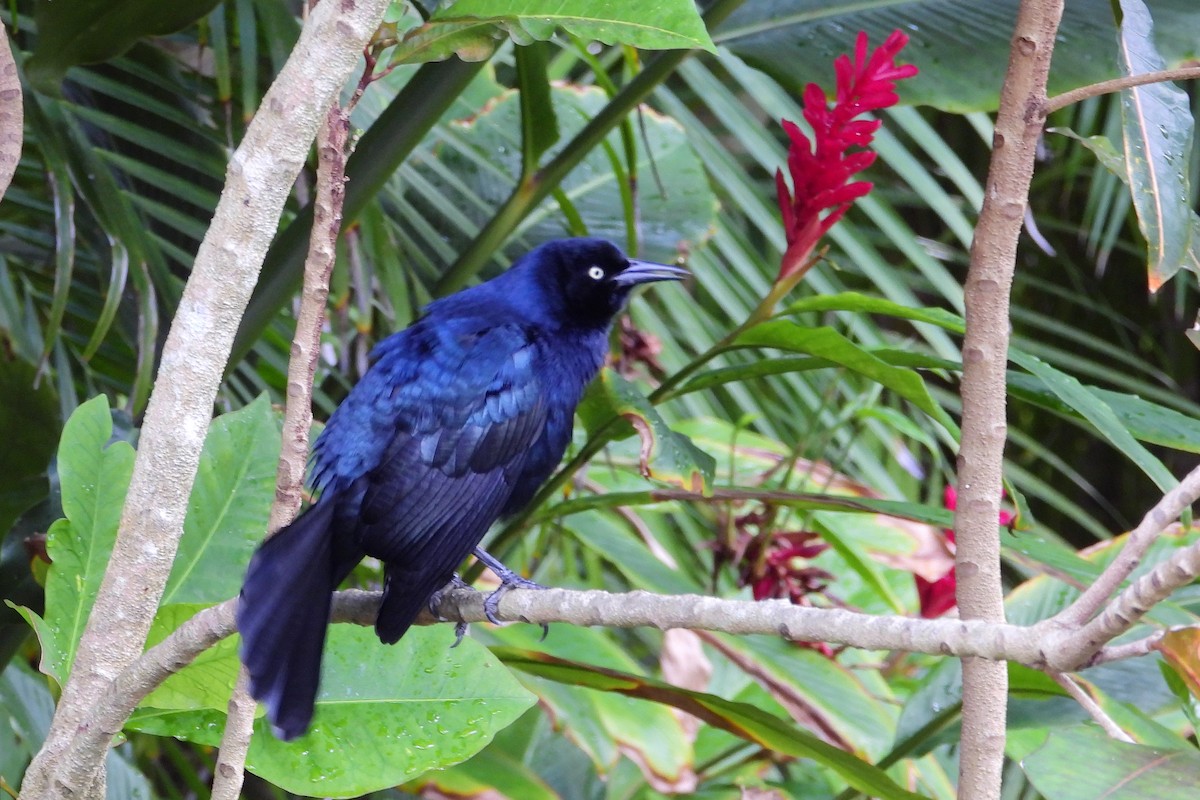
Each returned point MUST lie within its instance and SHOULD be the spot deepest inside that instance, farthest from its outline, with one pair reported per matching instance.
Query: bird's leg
(435, 601)
(508, 580)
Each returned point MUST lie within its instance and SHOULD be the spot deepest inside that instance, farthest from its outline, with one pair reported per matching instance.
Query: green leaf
(854, 704)
(206, 683)
(667, 456)
(1157, 123)
(491, 773)
(88, 31)
(1113, 770)
(825, 342)
(1098, 413)
(400, 710)
(26, 707)
(867, 304)
(663, 25)
(1145, 420)
(229, 505)
(600, 721)
(796, 41)
(94, 480)
(742, 720)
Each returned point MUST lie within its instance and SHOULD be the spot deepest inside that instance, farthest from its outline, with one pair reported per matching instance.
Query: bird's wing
(463, 425)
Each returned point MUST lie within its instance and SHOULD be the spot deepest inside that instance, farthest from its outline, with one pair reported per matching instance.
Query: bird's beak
(646, 272)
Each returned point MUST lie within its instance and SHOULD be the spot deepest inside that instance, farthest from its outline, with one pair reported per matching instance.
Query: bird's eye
(595, 273)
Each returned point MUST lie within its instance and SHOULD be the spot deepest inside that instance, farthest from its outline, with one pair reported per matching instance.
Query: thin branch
(997, 642)
(1131, 605)
(230, 772)
(1166, 511)
(1090, 705)
(1061, 101)
(1120, 652)
(297, 420)
(260, 176)
(980, 592)
(586, 608)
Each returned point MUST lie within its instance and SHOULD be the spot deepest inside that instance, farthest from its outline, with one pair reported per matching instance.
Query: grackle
(459, 420)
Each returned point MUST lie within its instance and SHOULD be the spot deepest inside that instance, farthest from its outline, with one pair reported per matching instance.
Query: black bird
(459, 420)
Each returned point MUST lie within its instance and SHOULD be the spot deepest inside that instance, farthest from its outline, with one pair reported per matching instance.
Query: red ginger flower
(821, 175)
(937, 597)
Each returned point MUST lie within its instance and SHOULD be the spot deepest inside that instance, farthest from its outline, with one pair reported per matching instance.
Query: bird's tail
(283, 613)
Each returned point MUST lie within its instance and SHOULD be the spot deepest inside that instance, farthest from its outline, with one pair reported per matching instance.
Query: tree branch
(980, 593)
(1131, 605)
(1061, 101)
(259, 178)
(1166, 511)
(297, 419)
(1090, 705)
(770, 617)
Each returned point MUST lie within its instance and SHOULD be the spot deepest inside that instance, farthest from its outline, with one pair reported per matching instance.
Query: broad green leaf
(956, 45)
(664, 25)
(1113, 770)
(94, 478)
(825, 342)
(667, 456)
(229, 505)
(384, 715)
(206, 683)
(87, 31)
(1098, 413)
(744, 721)
(1158, 126)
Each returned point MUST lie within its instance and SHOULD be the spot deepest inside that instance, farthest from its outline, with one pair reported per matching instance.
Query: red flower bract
(821, 174)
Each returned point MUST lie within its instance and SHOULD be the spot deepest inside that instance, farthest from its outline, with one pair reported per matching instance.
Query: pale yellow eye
(595, 273)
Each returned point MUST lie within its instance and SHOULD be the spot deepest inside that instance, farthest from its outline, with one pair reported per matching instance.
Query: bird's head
(589, 280)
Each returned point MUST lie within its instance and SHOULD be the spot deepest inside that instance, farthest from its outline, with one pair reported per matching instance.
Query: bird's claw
(511, 580)
(435, 599)
(508, 580)
(435, 602)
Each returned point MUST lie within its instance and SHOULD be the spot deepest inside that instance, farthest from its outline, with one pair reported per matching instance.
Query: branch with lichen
(1046, 645)
(297, 417)
(260, 177)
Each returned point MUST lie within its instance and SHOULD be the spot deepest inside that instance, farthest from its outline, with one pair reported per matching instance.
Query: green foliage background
(847, 394)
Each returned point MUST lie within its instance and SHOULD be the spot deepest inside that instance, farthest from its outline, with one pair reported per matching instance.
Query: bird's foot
(508, 580)
(435, 602)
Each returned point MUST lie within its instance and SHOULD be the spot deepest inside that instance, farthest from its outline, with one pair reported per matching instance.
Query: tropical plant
(786, 433)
